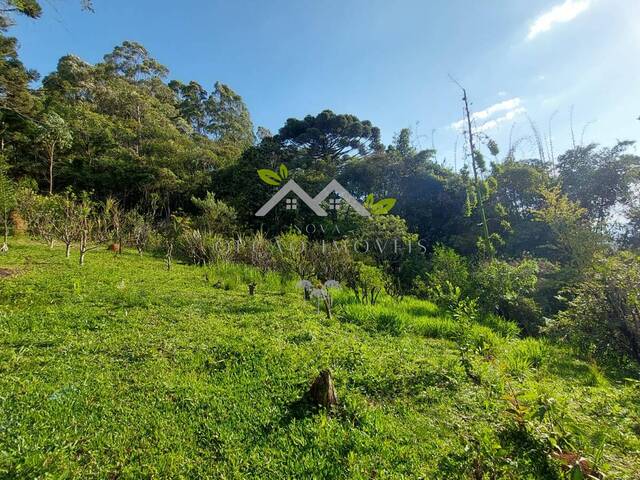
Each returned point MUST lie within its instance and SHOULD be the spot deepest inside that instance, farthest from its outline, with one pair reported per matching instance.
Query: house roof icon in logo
(313, 203)
(291, 187)
(335, 187)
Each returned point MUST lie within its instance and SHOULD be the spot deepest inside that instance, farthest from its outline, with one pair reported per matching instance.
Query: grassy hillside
(120, 369)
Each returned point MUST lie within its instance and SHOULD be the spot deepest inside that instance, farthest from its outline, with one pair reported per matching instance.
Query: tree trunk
(479, 193)
(5, 245)
(83, 245)
(67, 252)
(322, 391)
(51, 150)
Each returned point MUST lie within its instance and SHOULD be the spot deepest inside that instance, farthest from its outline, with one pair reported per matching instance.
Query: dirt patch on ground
(6, 272)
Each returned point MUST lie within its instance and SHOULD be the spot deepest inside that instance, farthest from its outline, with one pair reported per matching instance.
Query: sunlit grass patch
(123, 369)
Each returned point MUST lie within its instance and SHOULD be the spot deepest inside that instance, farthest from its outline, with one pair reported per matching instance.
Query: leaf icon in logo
(368, 201)
(284, 172)
(381, 207)
(269, 176)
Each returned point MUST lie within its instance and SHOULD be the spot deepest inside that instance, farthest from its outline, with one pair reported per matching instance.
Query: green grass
(120, 369)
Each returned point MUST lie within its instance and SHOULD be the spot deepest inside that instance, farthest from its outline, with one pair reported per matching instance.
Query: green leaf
(368, 201)
(284, 173)
(383, 206)
(269, 177)
(576, 473)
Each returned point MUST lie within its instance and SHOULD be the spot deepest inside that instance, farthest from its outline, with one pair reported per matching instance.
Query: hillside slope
(121, 369)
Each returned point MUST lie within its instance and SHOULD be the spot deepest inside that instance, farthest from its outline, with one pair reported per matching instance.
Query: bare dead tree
(573, 136)
(538, 140)
(551, 152)
(584, 130)
(474, 166)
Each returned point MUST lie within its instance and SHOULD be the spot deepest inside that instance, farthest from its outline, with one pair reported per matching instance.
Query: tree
(138, 228)
(402, 143)
(599, 178)
(229, 121)
(573, 242)
(631, 234)
(517, 195)
(330, 135)
(7, 203)
(477, 166)
(216, 216)
(114, 222)
(91, 225)
(15, 97)
(66, 219)
(29, 8)
(192, 104)
(39, 213)
(132, 61)
(54, 136)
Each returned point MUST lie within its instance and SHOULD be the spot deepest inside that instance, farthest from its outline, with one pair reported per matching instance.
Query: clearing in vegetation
(122, 369)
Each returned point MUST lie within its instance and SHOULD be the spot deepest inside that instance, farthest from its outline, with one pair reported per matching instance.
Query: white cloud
(564, 12)
(512, 107)
(502, 93)
(510, 115)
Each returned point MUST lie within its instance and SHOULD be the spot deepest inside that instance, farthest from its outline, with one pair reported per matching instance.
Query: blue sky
(383, 60)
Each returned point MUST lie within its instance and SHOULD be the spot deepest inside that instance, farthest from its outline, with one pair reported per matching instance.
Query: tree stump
(322, 391)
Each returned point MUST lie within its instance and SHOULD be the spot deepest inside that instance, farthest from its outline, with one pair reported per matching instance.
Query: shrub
(507, 289)
(138, 229)
(367, 283)
(483, 340)
(217, 217)
(445, 265)
(603, 318)
(292, 256)
(257, 251)
(332, 261)
(204, 248)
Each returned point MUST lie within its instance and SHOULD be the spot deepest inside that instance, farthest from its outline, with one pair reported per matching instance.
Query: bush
(257, 251)
(292, 256)
(217, 217)
(446, 265)
(332, 261)
(367, 282)
(204, 248)
(603, 318)
(507, 289)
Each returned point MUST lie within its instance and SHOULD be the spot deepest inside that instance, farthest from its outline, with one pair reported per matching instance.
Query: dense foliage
(170, 165)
